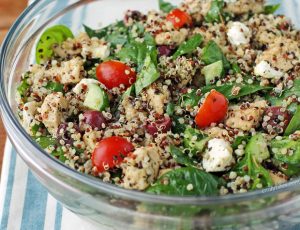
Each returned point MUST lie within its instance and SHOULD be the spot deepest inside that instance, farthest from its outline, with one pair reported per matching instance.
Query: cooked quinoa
(196, 99)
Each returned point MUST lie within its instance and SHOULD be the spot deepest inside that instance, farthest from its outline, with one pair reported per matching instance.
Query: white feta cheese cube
(218, 157)
(239, 34)
(265, 70)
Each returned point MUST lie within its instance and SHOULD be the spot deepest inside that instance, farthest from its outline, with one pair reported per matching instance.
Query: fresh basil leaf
(294, 124)
(53, 35)
(194, 140)
(271, 9)
(212, 53)
(215, 12)
(55, 87)
(188, 46)
(165, 6)
(186, 182)
(250, 166)
(180, 157)
(147, 76)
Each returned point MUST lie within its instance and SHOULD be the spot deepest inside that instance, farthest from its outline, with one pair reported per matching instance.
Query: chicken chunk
(68, 72)
(131, 108)
(141, 168)
(29, 112)
(171, 38)
(52, 110)
(246, 115)
(158, 96)
(244, 6)
(282, 55)
(196, 8)
(182, 70)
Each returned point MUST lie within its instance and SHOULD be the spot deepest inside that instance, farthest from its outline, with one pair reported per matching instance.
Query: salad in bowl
(201, 98)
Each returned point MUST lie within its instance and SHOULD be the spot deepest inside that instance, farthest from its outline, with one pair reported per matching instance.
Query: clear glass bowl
(105, 204)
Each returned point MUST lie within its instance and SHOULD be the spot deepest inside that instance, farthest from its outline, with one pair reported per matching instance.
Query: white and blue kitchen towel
(25, 203)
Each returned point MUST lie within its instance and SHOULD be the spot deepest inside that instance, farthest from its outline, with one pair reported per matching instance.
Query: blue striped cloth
(25, 203)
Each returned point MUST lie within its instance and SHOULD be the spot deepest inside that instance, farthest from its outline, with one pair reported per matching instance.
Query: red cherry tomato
(179, 18)
(213, 110)
(114, 73)
(110, 152)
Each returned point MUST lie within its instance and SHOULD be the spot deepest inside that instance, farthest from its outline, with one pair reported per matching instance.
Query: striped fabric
(25, 203)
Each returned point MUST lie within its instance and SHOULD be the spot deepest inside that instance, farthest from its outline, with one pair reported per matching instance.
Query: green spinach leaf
(250, 166)
(24, 87)
(116, 33)
(212, 53)
(186, 182)
(239, 140)
(188, 46)
(170, 109)
(277, 100)
(177, 127)
(245, 90)
(165, 6)
(147, 76)
(46, 142)
(192, 99)
(180, 157)
(271, 9)
(294, 124)
(136, 52)
(55, 87)
(286, 150)
(194, 140)
(215, 12)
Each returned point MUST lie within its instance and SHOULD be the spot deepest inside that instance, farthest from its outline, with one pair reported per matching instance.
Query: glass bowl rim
(107, 188)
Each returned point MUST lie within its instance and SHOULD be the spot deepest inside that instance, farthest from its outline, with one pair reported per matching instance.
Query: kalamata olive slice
(64, 132)
(276, 119)
(165, 50)
(161, 125)
(95, 119)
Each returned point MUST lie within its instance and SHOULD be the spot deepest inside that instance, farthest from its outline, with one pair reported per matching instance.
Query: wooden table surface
(9, 11)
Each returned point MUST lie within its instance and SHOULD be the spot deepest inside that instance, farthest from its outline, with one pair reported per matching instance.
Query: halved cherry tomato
(114, 73)
(213, 110)
(179, 18)
(110, 152)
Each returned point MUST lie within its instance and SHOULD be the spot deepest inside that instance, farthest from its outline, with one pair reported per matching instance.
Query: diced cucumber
(213, 71)
(258, 148)
(96, 98)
